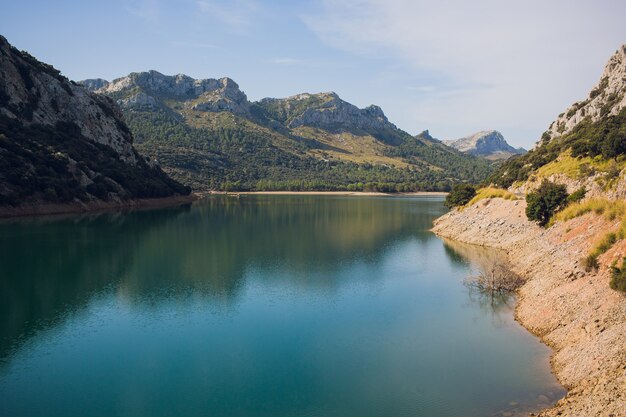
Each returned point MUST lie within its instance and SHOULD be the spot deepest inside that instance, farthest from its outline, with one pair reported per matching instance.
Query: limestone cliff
(146, 90)
(489, 144)
(61, 144)
(326, 111)
(607, 98)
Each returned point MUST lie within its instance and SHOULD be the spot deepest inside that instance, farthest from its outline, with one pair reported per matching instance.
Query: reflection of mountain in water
(51, 268)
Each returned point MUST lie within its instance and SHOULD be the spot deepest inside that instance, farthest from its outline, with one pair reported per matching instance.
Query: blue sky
(454, 67)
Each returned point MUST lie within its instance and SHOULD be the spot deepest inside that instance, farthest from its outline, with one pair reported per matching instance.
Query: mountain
(606, 99)
(489, 144)
(61, 144)
(585, 146)
(207, 134)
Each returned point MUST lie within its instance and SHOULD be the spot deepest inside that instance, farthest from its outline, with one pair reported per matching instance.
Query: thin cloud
(536, 57)
(148, 10)
(236, 14)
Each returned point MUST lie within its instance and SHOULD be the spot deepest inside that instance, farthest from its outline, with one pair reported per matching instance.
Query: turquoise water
(258, 306)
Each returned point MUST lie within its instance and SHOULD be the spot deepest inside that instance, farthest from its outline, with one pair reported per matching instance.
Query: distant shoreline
(334, 193)
(52, 209)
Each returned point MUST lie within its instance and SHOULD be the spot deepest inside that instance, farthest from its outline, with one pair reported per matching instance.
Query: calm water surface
(259, 306)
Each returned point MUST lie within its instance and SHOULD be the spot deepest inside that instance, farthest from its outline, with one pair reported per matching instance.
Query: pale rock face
(29, 85)
(228, 97)
(484, 143)
(144, 90)
(328, 111)
(139, 101)
(606, 99)
(94, 84)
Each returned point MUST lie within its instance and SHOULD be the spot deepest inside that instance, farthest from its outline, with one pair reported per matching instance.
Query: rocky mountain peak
(145, 90)
(486, 143)
(425, 134)
(607, 98)
(329, 111)
(94, 84)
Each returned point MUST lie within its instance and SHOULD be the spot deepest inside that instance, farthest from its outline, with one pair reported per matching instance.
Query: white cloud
(236, 14)
(148, 10)
(534, 57)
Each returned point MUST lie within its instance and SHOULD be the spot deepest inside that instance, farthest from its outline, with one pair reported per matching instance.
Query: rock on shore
(574, 312)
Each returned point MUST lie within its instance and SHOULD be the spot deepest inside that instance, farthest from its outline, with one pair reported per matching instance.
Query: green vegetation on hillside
(233, 153)
(36, 164)
(600, 141)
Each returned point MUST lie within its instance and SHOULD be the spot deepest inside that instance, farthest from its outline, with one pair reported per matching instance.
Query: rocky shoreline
(572, 311)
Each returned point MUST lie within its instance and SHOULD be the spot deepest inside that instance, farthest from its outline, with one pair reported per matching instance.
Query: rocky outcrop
(487, 143)
(574, 312)
(37, 94)
(63, 146)
(228, 97)
(146, 90)
(326, 111)
(94, 84)
(607, 98)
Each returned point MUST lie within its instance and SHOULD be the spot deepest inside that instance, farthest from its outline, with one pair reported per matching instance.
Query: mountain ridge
(207, 133)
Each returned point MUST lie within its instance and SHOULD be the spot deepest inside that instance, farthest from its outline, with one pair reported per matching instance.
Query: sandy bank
(96, 206)
(574, 312)
(338, 193)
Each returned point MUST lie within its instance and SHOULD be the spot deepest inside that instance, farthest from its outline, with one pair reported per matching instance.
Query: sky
(453, 67)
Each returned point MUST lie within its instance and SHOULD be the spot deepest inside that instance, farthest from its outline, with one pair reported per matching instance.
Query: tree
(495, 278)
(460, 195)
(544, 202)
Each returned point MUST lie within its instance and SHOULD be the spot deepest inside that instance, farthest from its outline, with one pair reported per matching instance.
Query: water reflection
(475, 259)
(50, 266)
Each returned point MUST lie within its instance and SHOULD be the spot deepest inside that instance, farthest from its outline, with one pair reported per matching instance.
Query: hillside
(208, 135)
(575, 267)
(585, 145)
(489, 144)
(62, 145)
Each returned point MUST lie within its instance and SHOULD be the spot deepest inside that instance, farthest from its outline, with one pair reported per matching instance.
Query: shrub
(618, 277)
(577, 195)
(495, 278)
(544, 202)
(591, 261)
(460, 195)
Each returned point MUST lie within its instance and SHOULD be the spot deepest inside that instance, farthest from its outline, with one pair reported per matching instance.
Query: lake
(258, 306)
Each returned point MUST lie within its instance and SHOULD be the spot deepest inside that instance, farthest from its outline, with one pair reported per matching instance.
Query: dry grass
(576, 168)
(346, 146)
(611, 210)
(491, 192)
